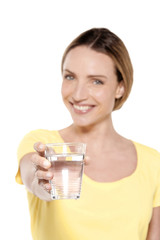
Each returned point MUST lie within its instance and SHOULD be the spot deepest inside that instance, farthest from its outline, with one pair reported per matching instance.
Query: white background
(33, 37)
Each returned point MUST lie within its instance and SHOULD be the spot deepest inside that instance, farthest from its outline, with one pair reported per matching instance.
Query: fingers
(45, 175)
(44, 178)
(42, 172)
(42, 165)
(40, 148)
(39, 161)
(45, 185)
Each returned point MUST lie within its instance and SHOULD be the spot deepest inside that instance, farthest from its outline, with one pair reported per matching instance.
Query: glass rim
(66, 143)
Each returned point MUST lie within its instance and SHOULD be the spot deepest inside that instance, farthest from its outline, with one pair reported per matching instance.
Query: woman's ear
(120, 90)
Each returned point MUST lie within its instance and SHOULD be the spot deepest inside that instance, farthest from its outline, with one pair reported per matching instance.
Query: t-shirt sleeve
(156, 199)
(25, 146)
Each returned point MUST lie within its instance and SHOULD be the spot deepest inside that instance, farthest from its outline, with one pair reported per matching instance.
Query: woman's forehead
(83, 57)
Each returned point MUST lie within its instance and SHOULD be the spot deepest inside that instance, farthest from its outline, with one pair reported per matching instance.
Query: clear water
(67, 170)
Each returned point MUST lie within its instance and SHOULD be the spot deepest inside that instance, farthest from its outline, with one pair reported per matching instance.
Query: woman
(120, 196)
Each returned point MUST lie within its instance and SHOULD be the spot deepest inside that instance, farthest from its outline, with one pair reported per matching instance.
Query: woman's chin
(84, 124)
(81, 123)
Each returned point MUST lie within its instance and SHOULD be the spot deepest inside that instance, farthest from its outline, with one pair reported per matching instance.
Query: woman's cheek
(65, 90)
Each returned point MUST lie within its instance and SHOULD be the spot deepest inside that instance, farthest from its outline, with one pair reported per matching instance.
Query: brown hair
(104, 41)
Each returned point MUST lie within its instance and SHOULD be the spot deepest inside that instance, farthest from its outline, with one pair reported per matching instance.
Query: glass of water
(67, 161)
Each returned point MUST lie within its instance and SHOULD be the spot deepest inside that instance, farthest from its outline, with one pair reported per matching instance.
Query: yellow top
(117, 210)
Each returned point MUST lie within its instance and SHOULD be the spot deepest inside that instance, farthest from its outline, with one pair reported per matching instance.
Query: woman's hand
(35, 172)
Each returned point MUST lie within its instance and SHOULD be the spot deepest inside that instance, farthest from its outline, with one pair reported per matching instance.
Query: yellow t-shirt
(117, 210)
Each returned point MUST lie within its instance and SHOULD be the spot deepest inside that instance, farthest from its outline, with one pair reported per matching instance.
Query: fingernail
(48, 174)
(40, 146)
(86, 160)
(47, 186)
(46, 163)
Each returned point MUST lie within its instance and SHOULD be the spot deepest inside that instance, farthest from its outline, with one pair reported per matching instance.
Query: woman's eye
(69, 77)
(97, 82)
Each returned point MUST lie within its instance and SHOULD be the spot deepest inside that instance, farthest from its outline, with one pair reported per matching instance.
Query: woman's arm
(154, 226)
(34, 172)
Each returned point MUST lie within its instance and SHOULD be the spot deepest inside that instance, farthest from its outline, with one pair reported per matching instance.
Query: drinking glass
(67, 162)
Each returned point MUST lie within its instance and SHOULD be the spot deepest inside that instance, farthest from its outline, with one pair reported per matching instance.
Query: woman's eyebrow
(97, 76)
(67, 70)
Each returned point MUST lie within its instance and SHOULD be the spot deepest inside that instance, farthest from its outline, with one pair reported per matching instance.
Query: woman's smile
(81, 108)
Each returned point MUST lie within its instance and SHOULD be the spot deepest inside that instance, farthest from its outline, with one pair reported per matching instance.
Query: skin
(89, 90)
(154, 226)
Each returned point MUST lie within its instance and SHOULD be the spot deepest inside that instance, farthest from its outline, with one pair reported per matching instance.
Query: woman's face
(90, 86)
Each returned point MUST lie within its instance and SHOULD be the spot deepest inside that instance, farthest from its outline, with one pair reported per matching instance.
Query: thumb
(86, 160)
(40, 148)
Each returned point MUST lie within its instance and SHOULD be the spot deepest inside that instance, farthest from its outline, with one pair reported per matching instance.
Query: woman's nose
(80, 92)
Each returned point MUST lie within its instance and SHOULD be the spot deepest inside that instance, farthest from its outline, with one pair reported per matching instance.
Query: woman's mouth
(82, 108)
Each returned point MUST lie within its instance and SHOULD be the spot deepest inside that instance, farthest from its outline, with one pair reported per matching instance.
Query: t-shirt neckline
(117, 182)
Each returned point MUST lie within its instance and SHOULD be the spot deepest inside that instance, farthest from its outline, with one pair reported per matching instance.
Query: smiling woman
(104, 41)
(121, 184)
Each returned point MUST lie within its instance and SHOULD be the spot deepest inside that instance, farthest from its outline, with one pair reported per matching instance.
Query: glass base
(65, 197)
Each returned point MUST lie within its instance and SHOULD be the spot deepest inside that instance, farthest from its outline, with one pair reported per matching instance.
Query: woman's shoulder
(44, 135)
(148, 154)
(146, 148)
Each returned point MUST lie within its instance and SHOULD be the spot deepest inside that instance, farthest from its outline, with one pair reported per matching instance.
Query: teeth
(82, 108)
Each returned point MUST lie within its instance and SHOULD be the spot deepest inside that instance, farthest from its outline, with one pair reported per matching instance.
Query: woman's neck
(98, 135)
